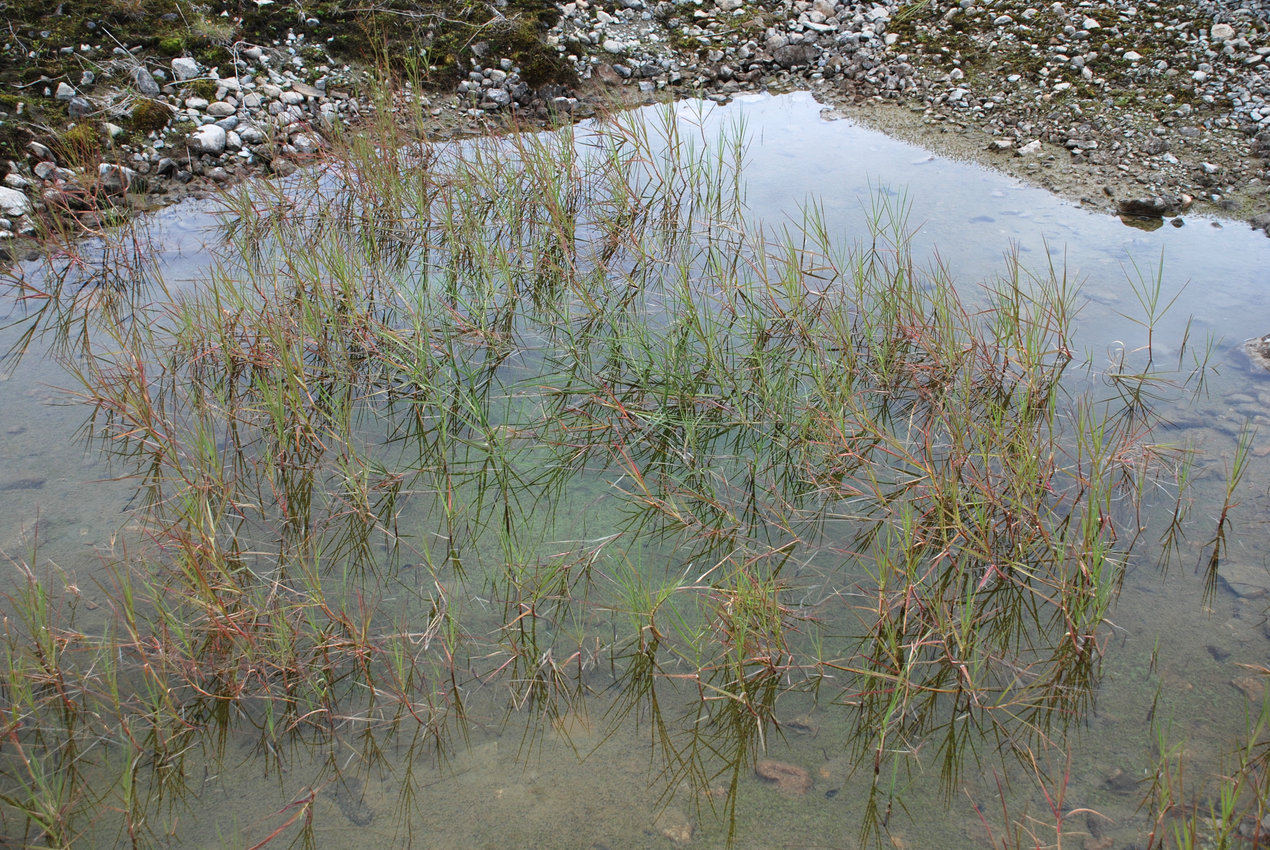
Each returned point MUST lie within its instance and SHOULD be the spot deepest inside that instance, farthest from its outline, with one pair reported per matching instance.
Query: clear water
(580, 782)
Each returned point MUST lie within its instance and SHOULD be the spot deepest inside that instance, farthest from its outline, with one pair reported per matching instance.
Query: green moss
(201, 88)
(148, 116)
(214, 55)
(539, 63)
(171, 46)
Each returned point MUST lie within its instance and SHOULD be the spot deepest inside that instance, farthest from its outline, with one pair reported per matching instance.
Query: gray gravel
(1136, 106)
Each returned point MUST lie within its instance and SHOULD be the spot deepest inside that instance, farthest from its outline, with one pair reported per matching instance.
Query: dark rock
(1155, 207)
(79, 107)
(795, 54)
(115, 179)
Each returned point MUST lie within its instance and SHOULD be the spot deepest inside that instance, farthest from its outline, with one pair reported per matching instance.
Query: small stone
(282, 167)
(1153, 207)
(79, 107)
(115, 179)
(1252, 687)
(1032, 148)
(789, 778)
(1089, 24)
(1132, 56)
(14, 203)
(65, 91)
(220, 109)
(305, 143)
(144, 81)
(1221, 32)
(208, 139)
(184, 68)
(675, 825)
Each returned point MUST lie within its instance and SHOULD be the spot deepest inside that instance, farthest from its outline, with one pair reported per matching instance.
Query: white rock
(184, 68)
(1132, 56)
(196, 103)
(13, 203)
(729, 5)
(305, 143)
(1032, 148)
(612, 45)
(208, 139)
(221, 109)
(1091, 24)
(64, 91)
(1221, 32)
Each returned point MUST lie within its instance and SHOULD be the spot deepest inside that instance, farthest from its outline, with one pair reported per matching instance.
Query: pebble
(855, 48)
(184, 68)
(145, 82)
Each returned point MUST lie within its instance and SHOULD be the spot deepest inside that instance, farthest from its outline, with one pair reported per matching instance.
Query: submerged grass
(552, 413)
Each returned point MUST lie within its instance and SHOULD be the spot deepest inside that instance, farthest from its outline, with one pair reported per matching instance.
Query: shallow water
(576, 781)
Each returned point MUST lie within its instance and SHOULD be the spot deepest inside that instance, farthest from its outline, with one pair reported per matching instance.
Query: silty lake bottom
(638, 485)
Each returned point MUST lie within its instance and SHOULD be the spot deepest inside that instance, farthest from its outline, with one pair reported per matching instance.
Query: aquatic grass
(781, 461)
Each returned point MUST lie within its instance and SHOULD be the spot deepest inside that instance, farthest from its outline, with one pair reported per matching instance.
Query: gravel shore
(1148, 109)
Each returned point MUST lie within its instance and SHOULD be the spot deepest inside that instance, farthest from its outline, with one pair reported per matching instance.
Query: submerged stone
(789, 778)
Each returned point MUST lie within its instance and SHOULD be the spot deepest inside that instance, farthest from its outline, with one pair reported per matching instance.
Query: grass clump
(80, 146)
